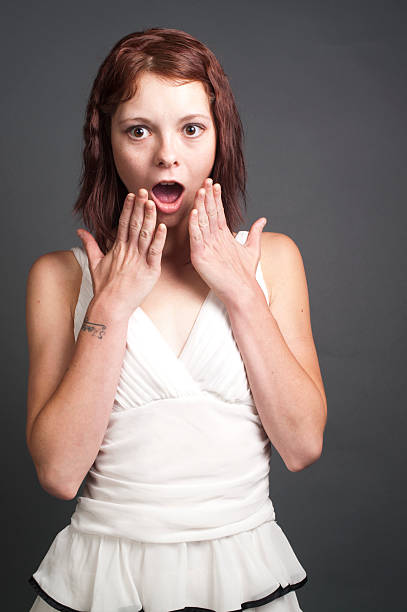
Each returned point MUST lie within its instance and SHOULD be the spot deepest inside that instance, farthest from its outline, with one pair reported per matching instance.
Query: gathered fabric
(175, 511)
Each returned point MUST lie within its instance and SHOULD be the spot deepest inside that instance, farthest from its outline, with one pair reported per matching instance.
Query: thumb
(91, 247)
(253, 238)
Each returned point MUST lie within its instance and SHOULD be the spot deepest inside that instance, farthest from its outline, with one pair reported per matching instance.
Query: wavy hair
(175, 55)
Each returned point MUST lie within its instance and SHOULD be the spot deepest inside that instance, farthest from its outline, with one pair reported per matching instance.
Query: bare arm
(279, 353)
(72, 386)
(65, 436)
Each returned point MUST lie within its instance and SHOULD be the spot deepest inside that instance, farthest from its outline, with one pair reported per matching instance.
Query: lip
(168, 180)
(165, 207)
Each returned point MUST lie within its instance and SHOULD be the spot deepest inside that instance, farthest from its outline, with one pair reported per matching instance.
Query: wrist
(245, 297)
(107, 309)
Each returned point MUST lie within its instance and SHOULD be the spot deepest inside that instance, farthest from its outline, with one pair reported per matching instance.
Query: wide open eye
(136, 127)
(144, 127)
(201, 127)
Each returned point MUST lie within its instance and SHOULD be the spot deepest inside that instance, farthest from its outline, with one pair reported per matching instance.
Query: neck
(177, 250)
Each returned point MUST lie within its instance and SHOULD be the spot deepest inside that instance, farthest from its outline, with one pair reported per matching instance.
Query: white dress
(175, 512)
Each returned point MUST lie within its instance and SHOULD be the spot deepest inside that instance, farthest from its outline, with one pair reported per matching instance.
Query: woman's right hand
(127, 273)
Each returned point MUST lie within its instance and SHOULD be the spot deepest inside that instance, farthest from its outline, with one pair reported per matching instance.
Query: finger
(122, 229)
(137, 217)
(217, 191)
(92, 249)
(196, 240)
(210, 207)
(202, 216)
(156, 247)
(148, 227)
(254, 236)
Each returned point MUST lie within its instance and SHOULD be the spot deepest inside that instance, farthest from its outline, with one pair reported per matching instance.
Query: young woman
(166, 358)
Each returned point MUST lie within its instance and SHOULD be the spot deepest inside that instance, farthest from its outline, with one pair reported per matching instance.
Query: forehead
(157, 95)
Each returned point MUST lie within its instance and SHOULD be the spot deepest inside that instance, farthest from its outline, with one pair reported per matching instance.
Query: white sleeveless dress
(175, 512)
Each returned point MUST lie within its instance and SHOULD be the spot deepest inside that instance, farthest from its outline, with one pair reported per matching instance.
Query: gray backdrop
(321, 88)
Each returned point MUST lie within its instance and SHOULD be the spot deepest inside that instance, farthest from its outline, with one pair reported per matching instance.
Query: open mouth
(168, 192)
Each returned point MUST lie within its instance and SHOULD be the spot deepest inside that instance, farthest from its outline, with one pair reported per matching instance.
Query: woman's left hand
(227, 267)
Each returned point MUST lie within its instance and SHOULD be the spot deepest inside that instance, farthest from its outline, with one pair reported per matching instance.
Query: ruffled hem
(280, 592)
(98, 573)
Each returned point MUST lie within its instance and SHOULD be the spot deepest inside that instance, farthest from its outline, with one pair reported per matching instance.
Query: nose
(166, 155)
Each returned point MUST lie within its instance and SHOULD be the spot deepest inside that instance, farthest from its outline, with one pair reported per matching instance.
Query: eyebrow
(186, 118)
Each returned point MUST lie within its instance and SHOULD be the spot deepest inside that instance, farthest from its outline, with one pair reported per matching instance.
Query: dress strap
(81, 257)
(86, 289)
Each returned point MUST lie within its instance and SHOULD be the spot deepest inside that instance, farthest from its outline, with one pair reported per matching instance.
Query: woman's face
(152, 141)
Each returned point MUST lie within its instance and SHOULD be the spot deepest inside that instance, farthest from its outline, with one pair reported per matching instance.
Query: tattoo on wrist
(96, 329)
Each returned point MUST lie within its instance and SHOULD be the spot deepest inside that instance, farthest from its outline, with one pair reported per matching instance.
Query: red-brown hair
(175, 55)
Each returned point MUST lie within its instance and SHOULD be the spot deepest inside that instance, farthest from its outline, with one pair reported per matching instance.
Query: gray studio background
(321, 89)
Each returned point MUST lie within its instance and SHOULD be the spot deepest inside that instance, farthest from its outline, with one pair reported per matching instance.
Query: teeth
(164, 183)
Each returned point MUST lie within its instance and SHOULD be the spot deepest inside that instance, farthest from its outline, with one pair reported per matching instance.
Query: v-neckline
(160, 336)
(192, 331)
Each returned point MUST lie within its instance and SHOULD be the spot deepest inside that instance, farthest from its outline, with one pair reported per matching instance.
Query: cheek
(206, 156)
(209, 161)
(211, 152)
(126, 160)
(117, 152)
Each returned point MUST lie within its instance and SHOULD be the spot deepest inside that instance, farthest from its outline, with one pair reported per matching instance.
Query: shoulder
(56, 271)
(280, 256)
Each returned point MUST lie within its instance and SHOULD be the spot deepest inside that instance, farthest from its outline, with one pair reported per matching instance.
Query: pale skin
(149, 144)
(296, 419)
(282, 367)
(160, 145)
(275, 340)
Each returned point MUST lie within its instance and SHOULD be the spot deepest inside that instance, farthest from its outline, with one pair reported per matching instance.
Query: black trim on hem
(280, 592)
(48, 599)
